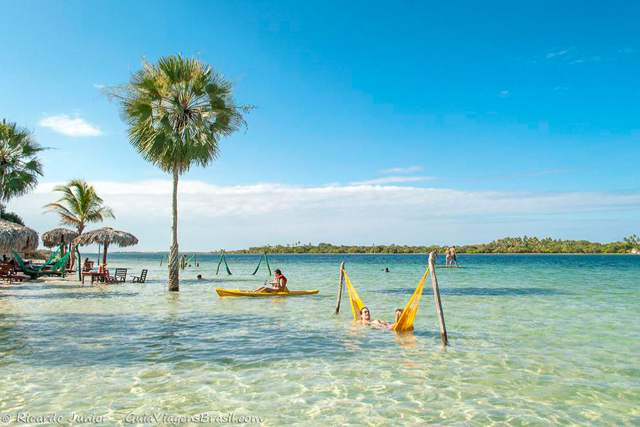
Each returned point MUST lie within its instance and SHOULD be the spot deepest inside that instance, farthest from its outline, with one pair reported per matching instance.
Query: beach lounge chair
(120, 275)
(142, 278)
(109, 278)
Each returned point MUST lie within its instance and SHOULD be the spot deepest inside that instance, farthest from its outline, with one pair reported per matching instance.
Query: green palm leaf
(20, 167)
(79, 205)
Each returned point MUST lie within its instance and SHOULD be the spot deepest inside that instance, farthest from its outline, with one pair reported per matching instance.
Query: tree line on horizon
(509, 245)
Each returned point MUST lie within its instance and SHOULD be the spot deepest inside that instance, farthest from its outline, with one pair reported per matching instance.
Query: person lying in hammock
(279, 284)
(398, 314)
(365, 319)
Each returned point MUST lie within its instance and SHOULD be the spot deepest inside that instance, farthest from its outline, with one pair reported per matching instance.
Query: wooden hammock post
(340, 288)
(436, 294)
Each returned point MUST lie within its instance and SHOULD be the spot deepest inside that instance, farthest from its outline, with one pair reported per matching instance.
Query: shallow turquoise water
(540, 339)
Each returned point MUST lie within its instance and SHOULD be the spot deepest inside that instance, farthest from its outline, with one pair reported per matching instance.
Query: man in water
(200, 277)
(454, 258)
(365, 319)
(447, 254)
(279, 283)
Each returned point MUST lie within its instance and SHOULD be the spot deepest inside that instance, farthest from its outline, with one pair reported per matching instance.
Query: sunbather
(365, 319)
(279, 284)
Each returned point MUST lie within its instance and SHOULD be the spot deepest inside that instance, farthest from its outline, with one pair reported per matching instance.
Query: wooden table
(95, 276)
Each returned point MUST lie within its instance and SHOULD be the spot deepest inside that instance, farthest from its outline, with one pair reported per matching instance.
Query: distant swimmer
(200, 277)
(454, 257)
(278, 284)
(386, 270)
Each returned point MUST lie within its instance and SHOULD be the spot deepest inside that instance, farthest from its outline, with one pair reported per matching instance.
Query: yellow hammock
(408, 314)
(411, 309)
(356, 302)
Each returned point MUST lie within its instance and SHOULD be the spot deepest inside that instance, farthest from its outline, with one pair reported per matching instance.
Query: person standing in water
(454, 257)
(447, 254)
(279, 283)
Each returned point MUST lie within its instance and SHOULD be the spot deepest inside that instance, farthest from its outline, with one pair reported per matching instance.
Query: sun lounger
(108, 278)
(120, 274)
(142, 278)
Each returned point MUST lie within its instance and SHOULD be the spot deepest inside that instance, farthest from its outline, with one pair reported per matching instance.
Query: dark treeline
(508, 245)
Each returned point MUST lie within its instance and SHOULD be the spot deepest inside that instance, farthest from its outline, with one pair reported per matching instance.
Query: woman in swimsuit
(279, 284)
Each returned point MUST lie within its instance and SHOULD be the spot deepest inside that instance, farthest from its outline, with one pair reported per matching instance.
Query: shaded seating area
(61, 238)
(15, 237)
(105, 237)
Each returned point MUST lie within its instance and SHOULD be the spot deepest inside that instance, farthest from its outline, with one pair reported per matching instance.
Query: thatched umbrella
(15, 237)
(106, 236)
(58, 236)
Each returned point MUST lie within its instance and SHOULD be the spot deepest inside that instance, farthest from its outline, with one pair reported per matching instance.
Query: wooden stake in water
(340, 288)
(436, 294)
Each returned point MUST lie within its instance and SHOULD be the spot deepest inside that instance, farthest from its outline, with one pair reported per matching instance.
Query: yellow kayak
(240, 293)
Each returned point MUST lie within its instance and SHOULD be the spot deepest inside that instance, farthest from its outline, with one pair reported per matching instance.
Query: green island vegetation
(507, 245)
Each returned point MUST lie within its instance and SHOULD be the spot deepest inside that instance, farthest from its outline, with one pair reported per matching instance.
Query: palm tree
(177, 111)
(79, 205)
(19, 165)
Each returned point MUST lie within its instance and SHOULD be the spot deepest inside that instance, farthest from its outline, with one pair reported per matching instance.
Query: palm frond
(79, 205)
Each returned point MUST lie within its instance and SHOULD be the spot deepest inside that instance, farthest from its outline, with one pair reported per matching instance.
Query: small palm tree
(20, 167)
(177, 111)
(79, 205)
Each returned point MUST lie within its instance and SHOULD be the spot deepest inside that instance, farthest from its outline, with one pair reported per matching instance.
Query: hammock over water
(409, 313)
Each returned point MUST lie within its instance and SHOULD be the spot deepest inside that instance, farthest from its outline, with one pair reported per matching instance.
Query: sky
(376, 122)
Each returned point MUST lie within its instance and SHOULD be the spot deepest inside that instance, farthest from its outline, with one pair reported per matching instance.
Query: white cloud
(392, 180)
(409, 169)
(214, 217)
(97, 86)
(75, 127)
(573, 55)
(503, 94)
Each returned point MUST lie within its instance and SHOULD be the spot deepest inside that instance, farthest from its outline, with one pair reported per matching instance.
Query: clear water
(533, 340)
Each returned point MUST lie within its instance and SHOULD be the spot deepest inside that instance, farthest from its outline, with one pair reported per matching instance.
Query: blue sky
(407, 122)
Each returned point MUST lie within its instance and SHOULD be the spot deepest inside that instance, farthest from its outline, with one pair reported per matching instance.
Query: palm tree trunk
(174, 279)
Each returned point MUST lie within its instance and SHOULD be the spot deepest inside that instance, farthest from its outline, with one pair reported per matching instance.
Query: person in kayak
(279, 284)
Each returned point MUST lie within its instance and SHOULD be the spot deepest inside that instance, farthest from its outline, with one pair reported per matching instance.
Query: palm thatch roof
(106, 236)
(58, 236)
(15, 237)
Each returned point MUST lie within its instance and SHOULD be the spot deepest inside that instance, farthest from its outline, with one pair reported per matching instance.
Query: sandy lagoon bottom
(534, 339)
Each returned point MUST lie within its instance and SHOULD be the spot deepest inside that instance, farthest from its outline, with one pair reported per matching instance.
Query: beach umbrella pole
(104, 255)
(79, 264)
